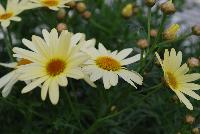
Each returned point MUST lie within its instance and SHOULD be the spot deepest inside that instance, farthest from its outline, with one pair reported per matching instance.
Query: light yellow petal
(191, 94)
(45, 88)
(54, 92)
(184, 100)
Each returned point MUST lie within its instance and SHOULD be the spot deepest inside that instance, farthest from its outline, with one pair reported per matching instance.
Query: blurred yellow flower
(54, 59)
(52, 4)
(176, 77)
(8, 80)
(171, 32)
(13, 8)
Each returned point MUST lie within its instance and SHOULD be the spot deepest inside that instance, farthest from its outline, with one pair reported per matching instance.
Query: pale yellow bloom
(52, 4)
(54, 59)
(110, 66)
(176, 77)
(12, 10)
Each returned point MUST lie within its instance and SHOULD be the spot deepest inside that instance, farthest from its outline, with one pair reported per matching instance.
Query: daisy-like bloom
(176, 77)
(13, 9)
(52, 4)
(11, 78)
(54, 59)
(109, 65)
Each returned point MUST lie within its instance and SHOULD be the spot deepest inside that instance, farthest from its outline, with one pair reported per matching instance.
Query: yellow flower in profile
(52, 4)
(171, 32)
(176, 77)
(54, 59)
(110, 66)
(13, 8)
(8, 80)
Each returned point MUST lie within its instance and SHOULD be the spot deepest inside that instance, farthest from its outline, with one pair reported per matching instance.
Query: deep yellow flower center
(108, 63)
(50, 2)
(6, 16)
(171, 80)
(55, 67)
(23, 62)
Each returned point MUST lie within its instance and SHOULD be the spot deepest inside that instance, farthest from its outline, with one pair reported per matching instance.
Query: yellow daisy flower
(13, 8)
(176, 77)
(55, 59)
(52, 4)
(11, 78)
(109, 65)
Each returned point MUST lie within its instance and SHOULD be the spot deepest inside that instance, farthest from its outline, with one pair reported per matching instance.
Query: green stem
(149, 25)
(8, 43)
(72, 108)
(95, 125)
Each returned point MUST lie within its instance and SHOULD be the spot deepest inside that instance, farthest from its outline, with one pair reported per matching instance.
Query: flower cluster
(48, 62)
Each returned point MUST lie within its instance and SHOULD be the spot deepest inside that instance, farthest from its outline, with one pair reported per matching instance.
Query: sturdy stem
(149, 24)
(8, 43)
(95, 125)
(72, 108)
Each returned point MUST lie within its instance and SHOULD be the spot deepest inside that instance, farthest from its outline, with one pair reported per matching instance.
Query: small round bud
(153, 33)
(175, 99)
(168, 8)
(81, 7)
(127, 11)
(193, 62)
(150, 3)
(189, 119)
(113, 108)
(195, 131)
(196, 30)
(178, 133)
(71, 4)
(61, 26)
(171, 32)
(142, 43)
(61, 13)
(87, 14)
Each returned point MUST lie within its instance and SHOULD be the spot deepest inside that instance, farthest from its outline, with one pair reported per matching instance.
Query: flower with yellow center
(54, 59)
(13, 9)
(109, 65)
(11, 78)
(176, 77)
(52, 4)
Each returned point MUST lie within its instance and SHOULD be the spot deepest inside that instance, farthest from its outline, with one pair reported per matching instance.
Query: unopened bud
(153, 32)
(171, 32)
(87, 14)
(195, 131)
(196, 30)
(189, 119)
(193, 62)
(81, 7)
(113, 108)
(168, 7)
(71, 4)
(150, 3)
(142, 43)
(61, 26)
(127, 11)
(61, 13)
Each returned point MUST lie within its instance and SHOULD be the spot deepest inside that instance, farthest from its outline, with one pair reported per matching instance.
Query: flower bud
(193, 62)
(168, 7)
(61, 13)
(175, 99)
(189, 119)
(81, 7)
(195, 131)
(171, 32)
(142, 43)
(150, 3)
(113, 108)
(127, 11)
(61, 26)
(196, 30)
(71, 4)
(87, 14)
(153, 32)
